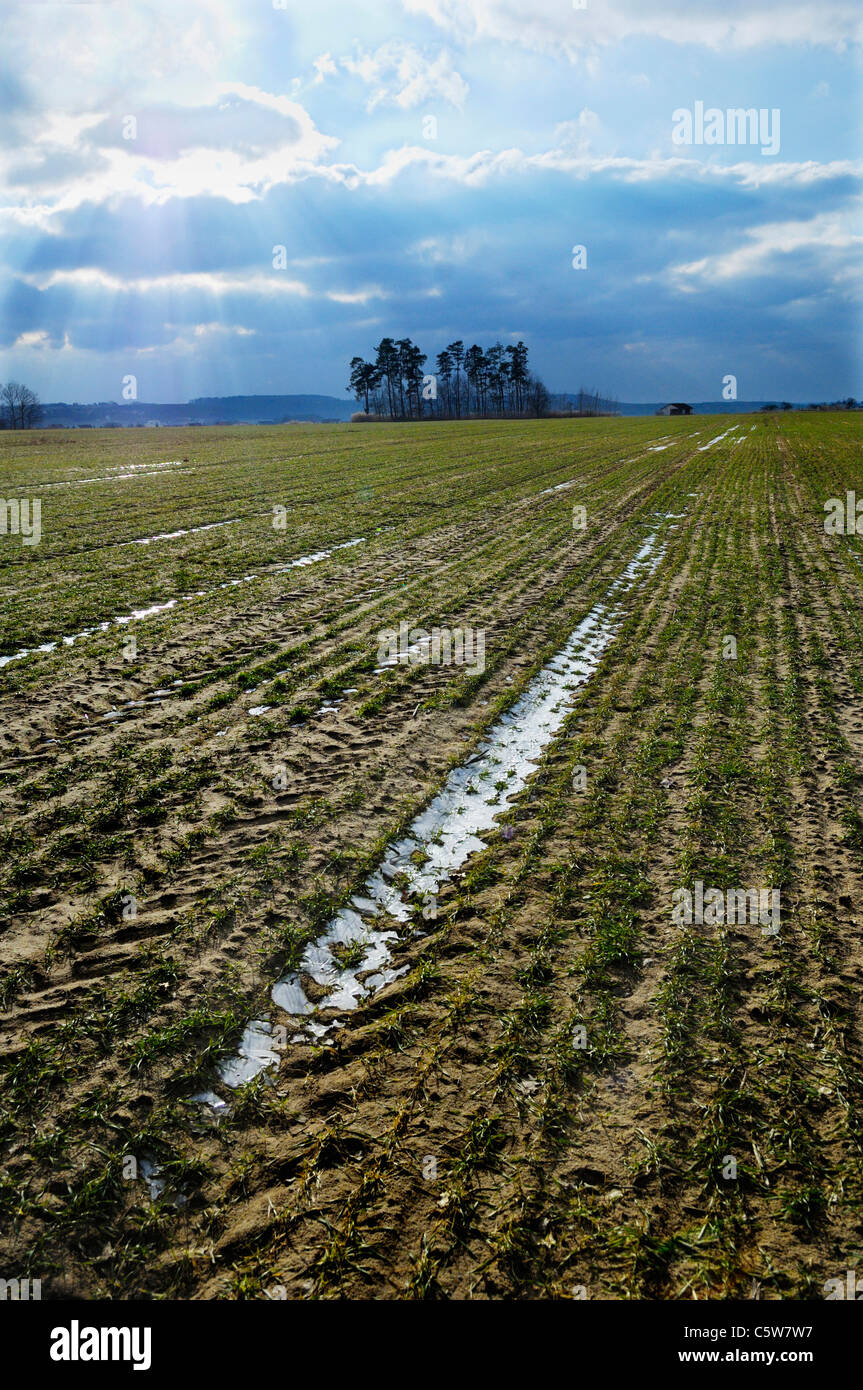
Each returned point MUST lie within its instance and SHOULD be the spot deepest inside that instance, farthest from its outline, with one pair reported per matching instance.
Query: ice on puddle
(209, 1098)
(256, 1052)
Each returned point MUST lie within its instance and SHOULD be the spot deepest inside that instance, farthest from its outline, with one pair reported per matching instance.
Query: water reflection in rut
(353, 959)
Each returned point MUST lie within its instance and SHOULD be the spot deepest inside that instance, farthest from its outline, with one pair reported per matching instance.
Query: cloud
(477, 169)
(93, 278)
(243, 143)
(36, 338)
(150, 51)
(50, 185)
(357, 296)
(830, 237)
(455, 249)
(400, 75)
(556, 26)
(576, 136)
(163, 243)
(201, 330)
(324, 67)
(247, 124)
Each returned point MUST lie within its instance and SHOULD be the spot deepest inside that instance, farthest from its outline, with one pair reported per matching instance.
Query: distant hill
(276, 408)
(271, 410)
(204, 410)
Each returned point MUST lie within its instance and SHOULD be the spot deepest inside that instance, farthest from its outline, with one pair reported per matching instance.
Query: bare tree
(21, 407)
(538, 399)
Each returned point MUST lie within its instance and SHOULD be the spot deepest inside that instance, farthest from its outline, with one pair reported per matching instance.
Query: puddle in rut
(137, 614)
(558, 487)
(710, 443)
(153, 470)
(352, 960)
(256, 1052)
(189, 531)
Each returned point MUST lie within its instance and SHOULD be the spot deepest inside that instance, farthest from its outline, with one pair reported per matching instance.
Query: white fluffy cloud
(400, 75)
(477, 169)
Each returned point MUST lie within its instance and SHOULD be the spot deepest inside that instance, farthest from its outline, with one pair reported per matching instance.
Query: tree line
(849, 403)
(466, 381)
(20, 408)
(588, 403)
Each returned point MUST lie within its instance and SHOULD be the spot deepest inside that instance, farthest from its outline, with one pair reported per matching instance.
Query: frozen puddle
(152, 470)
(127, 470)
(353, 959)
(652, 447)
(159, 1187)
(710, 443)
(209, 1098)
(138, 613)
(155, 697)
(150, 1172)
(558, 487)
(190, 531)
(257, 1051)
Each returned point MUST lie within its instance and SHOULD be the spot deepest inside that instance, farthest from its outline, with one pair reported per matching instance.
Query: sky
(232, 197)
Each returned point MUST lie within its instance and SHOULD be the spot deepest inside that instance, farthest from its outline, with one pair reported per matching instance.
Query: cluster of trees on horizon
(20, 408)
(467, 381)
